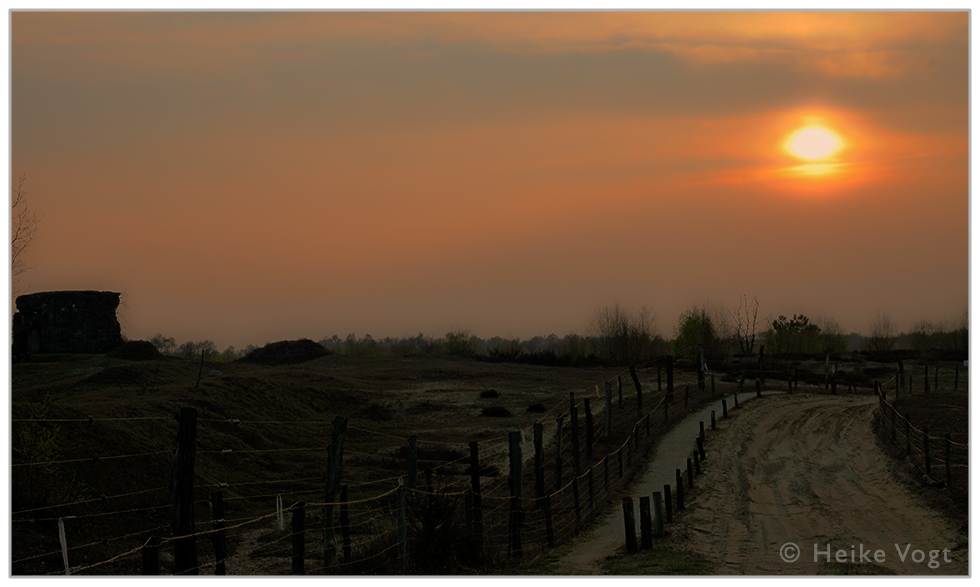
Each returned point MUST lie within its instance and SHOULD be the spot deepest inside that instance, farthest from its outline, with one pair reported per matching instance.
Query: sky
(252, 177)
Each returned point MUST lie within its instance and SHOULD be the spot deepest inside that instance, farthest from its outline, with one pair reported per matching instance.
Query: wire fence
(938, 457)
(508, 497)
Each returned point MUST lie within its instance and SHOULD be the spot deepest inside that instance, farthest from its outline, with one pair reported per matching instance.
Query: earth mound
(135, 350)
(286, 352)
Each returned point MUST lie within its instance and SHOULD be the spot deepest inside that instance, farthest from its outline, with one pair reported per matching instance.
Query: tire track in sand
(807, 470)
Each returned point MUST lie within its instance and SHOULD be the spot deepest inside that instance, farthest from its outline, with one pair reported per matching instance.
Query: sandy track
(807, 470)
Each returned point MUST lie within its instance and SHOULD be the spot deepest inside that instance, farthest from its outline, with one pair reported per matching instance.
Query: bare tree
(23, 228)
(882, 333)
(746, 319)
(624, 338)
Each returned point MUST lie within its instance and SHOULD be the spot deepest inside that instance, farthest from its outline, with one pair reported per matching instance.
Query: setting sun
(813, 143)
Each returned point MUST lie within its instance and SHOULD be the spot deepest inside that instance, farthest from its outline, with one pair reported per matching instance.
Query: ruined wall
(66, 322)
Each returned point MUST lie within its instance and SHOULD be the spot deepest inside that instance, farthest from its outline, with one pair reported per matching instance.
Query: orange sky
(254, 177)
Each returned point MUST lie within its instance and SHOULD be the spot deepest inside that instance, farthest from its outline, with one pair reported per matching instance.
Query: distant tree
(459, 341)
(190, 350)
(23, 229)
(793, 335)
(229, 354)
(746, 318)
(696, 328)
(832, 337)
(165, 344)
(622, 338)
(882, 336)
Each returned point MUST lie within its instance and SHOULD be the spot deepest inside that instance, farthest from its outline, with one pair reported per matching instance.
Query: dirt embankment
(791, 475)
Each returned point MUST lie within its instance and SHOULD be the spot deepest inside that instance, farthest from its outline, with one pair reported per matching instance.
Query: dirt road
(806, 471)
(789, 475)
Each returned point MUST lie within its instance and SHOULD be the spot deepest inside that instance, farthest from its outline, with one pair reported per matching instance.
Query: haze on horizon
(251, 177)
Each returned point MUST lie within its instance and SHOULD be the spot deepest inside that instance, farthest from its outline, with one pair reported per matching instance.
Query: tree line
(616, 335)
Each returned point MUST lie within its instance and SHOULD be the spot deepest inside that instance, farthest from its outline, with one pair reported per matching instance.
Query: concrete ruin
(66, 322)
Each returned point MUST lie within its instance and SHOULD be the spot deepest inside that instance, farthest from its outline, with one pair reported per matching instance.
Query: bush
(536, 409)
(489, 394)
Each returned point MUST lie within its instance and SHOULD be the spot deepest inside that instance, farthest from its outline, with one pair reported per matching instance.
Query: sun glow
(813, 143)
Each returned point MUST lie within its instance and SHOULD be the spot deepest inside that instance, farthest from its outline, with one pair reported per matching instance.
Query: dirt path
(583, 556)
(806, 470)
(794, 469)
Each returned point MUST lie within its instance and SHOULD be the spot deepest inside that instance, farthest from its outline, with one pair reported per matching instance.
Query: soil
(806, 470)
(802, 469)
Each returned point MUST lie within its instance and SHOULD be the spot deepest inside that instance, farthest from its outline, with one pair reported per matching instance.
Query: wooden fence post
(345, 523)
(558, 434)
(182, 485)
(690, 474)
(724, 408)
(299, 542)
(789, 384)
(639, 390)
(735, 396)
(630, 525)
(151, 556)
(700, 443)
(538, 460)
(516, 507)
(413, 453)
(701, 367)
(668, 505)
(218, 537)
(589, 427)
(697, 463)
(658, 515)
(714, 426)
(758, 388)
(335, 465)
(477, 499)
(701, 427)
(670, 378)
(607, 427)
(575, 435)
(646, 537)
(679, 486)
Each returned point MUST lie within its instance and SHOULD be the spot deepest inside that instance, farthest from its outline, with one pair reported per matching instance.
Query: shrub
(489, 394)
(536, 409)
